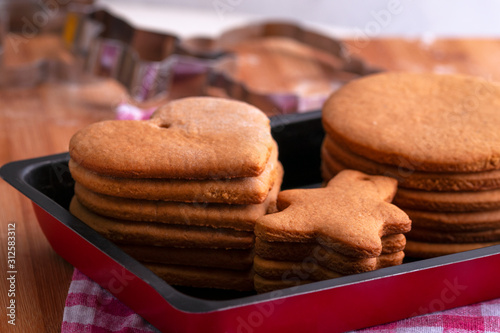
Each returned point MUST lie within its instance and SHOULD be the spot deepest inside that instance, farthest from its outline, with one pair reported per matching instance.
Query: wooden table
(40, 120)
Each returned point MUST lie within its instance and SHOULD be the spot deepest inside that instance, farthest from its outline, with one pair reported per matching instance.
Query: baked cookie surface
(161, 234)
(455, 222)
(190, 138)
(470, 201)
(429, 235)
(246, 190)
(238, 217)
(453, 121)
(422, 249)
(349, 216)
(334, 155)
(306, 252)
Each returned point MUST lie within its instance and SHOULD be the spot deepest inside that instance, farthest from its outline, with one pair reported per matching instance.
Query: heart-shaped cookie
(190, 138)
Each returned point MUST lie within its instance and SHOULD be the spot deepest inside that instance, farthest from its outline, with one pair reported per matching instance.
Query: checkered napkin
(89, 308)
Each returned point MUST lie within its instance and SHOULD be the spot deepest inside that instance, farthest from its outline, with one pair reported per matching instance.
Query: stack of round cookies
(438, 135)
(180, 192)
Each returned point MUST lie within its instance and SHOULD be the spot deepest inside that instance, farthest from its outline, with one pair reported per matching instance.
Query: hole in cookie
(164, 125)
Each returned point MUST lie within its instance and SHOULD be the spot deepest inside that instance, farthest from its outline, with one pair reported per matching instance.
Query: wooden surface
(40, 120)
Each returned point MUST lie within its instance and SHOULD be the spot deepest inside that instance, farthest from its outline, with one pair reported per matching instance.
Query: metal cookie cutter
(145, 62)
(141, 60)
(222, 83)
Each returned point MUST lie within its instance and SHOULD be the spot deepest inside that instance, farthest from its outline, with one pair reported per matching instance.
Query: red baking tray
(336, 305)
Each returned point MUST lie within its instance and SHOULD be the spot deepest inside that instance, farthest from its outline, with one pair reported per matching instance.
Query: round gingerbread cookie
(455, 222)
(435, 123)
(427, 235)
(419, 249)
(471, 201)
(407, 176)
(463, 201)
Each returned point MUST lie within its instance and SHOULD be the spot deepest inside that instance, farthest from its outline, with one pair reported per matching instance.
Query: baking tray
(336, 305)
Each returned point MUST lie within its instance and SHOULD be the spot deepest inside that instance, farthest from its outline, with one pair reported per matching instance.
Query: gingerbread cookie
(473, 201)
(326, 258)
(204, 277)
(421, 249)
(161, 234)
(452, 202)
(349, 216)
(310, 269)
(273, 274)
(333, 154)
(455, 222)
(190, 138)
(329, 170)
(295, 250)
(181, 192)
(429, 235)
(290, 270)
(247, 190)
(436, 123)
(201, 257)
(240, 217)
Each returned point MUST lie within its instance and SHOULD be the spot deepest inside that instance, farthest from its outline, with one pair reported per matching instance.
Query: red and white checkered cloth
(89, 308)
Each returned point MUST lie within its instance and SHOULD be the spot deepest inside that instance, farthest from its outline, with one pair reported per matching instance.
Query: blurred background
(408, 18)
(146, 45)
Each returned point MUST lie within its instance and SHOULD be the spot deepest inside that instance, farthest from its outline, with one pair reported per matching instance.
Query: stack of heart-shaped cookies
(347, 227)
(438, 136)
(180, 192)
